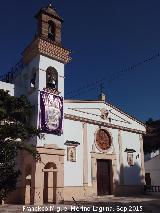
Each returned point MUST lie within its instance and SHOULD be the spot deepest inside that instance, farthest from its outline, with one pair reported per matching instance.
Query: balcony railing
(148, 188)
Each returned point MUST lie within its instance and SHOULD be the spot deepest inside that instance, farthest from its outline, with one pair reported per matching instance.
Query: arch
(50, 165)
(51, 78)
(50, 183)
(51, 30)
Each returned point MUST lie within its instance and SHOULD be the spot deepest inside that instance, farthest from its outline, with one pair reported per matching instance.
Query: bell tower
(49, 24)
(45, 53)
(47, 41)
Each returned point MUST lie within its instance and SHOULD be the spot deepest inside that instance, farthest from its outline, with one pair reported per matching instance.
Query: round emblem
(103, 139)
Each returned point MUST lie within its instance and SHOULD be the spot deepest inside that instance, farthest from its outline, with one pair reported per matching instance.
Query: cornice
(124, 113)
(99, 123)
(47, 48)
(82, 101)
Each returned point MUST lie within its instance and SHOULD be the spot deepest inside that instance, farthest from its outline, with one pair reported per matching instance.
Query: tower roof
(50, 11)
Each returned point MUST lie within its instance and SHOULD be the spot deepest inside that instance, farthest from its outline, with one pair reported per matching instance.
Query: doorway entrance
(50, 183)
(104, 177)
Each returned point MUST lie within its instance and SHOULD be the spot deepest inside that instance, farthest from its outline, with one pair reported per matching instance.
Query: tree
(152, 137)
(15, 130)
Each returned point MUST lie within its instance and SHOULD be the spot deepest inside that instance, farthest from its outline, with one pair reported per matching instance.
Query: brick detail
(47, 48)
(43, 27)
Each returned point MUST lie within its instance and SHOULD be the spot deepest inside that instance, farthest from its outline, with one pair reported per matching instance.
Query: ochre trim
(82, 119)
(49, 49)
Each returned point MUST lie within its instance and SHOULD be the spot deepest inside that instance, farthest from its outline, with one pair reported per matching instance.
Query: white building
(87, 148)
(152, 168)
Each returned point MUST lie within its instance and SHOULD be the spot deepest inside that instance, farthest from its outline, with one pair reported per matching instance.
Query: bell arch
(51, 78)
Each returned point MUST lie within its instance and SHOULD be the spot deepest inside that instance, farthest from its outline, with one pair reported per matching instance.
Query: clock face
(103, 139)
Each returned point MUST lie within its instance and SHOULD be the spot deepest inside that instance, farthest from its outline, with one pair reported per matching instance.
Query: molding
(107, 103)
(49, 170)
(129, 116)
(121, 169)
(99, 123)
(82, 101)
(42, 46)
(85, 154)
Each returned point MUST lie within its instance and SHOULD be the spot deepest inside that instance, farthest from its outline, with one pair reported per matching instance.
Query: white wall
(152, 166)
(22, 84)
(6, 86)
(73, 171)
(44, 63)
(132, 174)
(130, 140)
(92, 110)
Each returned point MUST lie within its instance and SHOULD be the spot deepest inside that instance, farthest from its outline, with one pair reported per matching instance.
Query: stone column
(60, 180)
(39, 184)
(121, 175)
(85, 158)
(94, 175)
(50, 187)
(142, 160)
(28, 192)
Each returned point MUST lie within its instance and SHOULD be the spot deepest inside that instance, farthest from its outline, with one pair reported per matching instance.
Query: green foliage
(152, 138)
(15, 130)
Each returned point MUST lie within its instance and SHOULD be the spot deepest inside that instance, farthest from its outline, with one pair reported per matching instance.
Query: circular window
(103, 139)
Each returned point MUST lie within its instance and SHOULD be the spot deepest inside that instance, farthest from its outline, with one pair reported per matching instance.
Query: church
(88, 148)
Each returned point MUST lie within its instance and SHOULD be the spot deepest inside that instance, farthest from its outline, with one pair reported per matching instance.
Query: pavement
(145, 203)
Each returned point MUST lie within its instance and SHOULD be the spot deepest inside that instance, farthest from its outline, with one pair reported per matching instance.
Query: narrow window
(51, 30)
(33, 80)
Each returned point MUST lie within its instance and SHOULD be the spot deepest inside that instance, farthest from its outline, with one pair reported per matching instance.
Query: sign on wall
(51, 113)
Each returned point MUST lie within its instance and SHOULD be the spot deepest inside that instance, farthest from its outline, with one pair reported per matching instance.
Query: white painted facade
(130, 140)
(7, 87)
(152, 166)
(81, 122)
(131, 129)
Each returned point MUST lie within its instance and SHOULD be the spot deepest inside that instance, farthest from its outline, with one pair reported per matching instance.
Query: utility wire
(87, 88)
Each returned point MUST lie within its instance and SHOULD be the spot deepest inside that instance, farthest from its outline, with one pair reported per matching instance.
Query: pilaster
(85, 156)
(121, 175)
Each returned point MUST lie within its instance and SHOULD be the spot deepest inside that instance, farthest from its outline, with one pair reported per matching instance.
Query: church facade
(87, 148)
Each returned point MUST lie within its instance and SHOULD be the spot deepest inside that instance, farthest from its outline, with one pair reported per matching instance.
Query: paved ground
(147, 203)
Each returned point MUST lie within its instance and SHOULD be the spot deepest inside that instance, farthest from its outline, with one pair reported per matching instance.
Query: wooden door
(103, 177)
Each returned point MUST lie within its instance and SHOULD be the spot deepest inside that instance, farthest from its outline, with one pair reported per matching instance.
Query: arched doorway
(50, 183)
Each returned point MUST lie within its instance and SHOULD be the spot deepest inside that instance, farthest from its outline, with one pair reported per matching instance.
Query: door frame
(108, 164)
(103, 156)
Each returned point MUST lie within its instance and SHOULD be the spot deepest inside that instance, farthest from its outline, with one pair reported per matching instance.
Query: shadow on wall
(131, 180)
(133, 175)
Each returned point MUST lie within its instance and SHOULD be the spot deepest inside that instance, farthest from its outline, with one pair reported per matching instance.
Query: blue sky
(105, 37)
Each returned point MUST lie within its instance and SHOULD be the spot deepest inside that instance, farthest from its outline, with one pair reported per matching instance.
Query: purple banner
(51, 113)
